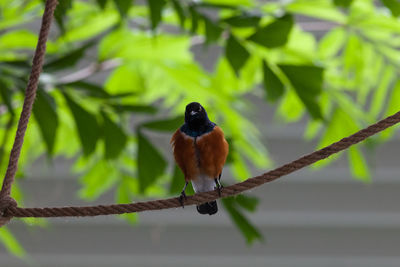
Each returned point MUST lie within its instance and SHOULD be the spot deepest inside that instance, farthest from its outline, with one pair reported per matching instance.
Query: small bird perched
(200, 150)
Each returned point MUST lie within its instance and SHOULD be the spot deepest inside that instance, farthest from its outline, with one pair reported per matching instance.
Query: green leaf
(122, 95)
(95, 90)
(378, 100)
(235, 53)
(89, 22)
(247, 202)
(165, 125)
(274, 34)
(232, 150)
(177, 183)
(60, 13)
(223, 4)
(123, 7)
(308, 77)
(339, 126)
(151, 164)
(132, 218)
(272, 84)
(164, 48)
(18, 64)
(249, 231)
(11, 244)
(243, 20)
(44, 110)
(101, 3)
(351, 53)
(114, 137)
(393, 5)
(213, 30)
(240, 169)
(291, 108)
(195, 16)
(331, 43)
(392, 108)
(317, 9)
(180, 12)
(18, 39)
(156, 8)
(90, 88)
(124, 195)
(99, 179)
(312, 129)
(134, 108)
(307, 82)
(358, 165)
(68, 60)
(6, 95)
(342, 3)
(87, 126)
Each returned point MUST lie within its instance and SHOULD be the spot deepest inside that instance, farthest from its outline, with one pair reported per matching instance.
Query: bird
(200, 150)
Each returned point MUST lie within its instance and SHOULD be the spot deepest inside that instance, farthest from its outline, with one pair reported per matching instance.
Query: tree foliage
(341, 82)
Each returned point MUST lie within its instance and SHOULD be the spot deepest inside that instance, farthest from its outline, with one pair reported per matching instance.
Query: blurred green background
(118, 74)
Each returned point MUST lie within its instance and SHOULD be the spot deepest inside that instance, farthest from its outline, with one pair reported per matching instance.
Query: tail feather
(209, 208)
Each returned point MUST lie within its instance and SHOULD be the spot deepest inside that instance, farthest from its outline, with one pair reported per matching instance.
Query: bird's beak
(193, 112)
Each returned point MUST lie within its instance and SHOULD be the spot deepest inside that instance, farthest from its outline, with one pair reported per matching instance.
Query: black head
(195, 115)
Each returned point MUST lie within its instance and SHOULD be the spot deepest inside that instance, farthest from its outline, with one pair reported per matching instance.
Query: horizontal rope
(212, 195)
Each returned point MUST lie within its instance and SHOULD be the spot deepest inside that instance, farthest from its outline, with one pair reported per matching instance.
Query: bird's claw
(182, 198)
(218, 186)
(219, 189)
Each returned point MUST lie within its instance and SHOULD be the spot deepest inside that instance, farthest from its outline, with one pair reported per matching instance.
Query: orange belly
(203, 155)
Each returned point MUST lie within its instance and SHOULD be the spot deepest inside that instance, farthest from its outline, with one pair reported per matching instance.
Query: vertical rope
(30, 94)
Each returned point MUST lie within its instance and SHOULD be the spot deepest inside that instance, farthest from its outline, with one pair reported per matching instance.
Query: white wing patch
(203, 183)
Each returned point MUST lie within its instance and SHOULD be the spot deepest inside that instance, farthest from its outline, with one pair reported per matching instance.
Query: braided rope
(5, 200)
(9, 209)
(212, 195)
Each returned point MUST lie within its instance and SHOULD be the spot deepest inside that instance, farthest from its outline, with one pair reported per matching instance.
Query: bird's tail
(209, 208)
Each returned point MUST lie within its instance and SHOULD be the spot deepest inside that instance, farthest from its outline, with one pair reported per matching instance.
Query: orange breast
(206, 155)
(185, 154)
(212, 150)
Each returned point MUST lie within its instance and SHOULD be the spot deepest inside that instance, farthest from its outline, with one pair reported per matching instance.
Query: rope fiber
(9, 209)
(5, 200)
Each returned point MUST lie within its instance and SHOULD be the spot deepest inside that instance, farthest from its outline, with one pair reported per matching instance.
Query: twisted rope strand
(29, 96)
(5, 200)
(212, 195)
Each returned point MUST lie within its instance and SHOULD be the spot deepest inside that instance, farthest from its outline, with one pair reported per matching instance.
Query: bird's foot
(219, 187)
(219, 190)
(182, 198)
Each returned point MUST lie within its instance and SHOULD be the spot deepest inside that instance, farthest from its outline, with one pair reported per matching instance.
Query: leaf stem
(89, 71)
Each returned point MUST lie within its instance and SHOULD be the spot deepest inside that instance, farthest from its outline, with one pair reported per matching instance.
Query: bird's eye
(199, 109)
